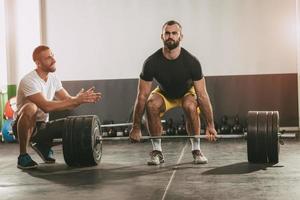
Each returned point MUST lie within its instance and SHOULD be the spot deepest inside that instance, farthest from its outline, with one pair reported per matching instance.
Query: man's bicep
(200, 87)
(144, 87)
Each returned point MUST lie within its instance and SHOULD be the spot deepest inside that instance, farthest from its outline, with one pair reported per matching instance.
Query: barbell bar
(82, 138)
(230, 136)
(284, 132)
(121, 124)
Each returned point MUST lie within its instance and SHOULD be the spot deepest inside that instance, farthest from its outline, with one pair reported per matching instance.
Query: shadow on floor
(238, 168)
(64, 175)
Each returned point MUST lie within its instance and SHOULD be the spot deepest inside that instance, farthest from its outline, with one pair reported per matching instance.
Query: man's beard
(171, 44)
(50, 68)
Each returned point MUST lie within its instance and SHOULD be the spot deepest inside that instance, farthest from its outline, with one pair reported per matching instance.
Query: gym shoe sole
(199, 158)
(28, 167)
(41, 155)
(155, 162)
(200, 161)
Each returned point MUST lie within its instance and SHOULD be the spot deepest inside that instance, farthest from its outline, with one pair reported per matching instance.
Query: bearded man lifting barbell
(35, 99)
(180, 84)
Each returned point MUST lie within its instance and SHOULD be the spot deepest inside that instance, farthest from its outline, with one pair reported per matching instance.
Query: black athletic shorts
(44, 132)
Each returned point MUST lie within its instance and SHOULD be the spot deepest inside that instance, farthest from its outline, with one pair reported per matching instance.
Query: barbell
(82, 138)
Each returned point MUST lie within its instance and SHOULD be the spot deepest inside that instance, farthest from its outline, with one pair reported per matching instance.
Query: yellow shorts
(173, 103)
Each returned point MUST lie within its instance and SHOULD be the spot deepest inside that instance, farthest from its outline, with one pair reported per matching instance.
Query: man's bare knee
(190, 107)
(29, 111)
(153, 106)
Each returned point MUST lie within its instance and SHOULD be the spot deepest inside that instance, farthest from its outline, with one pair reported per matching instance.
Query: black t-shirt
(174, 77)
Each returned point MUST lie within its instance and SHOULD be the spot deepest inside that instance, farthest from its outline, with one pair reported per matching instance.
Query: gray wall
(110, 39)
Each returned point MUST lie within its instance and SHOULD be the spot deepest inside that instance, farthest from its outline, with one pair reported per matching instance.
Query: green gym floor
(123, 174)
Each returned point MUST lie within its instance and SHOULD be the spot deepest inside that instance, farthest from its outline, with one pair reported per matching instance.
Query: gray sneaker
(199, 158)
(156, 158)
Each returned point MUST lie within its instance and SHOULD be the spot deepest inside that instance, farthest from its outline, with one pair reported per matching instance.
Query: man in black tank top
(180, 84)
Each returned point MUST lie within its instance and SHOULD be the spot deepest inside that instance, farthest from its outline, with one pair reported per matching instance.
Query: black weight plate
(68, 142)
(269, 135)
(97, 143)
(79, 141)
(251, 136)
(86, 157)
(261, 139)
(274, 151)
(93, 150)
(77, 130)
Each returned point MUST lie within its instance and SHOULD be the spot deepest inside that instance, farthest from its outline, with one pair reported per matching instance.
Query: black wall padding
(238, 94)
(229, 95)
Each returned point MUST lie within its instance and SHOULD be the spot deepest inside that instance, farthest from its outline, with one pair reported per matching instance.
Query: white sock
(195, 143)
(156, 144)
